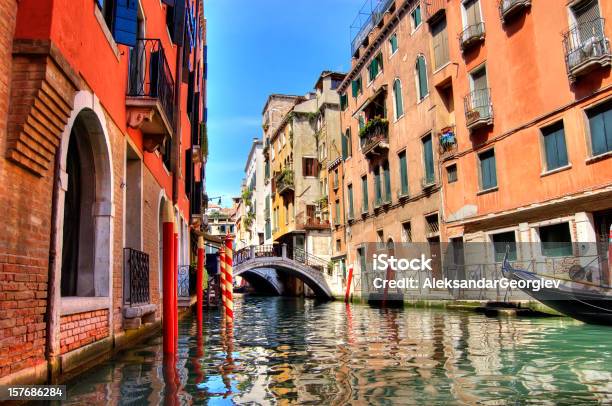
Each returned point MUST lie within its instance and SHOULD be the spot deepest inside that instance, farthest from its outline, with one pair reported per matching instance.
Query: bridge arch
(303, 266)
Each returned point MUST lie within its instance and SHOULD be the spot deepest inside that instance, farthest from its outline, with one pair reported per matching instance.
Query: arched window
(421, 78)
(397, 95)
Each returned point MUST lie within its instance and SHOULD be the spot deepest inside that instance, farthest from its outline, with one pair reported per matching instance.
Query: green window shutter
(344, 147)
(428, 159)
(417, 16)
(378, 187)
(387, 177)
(393, 42)
(364, 196)
(343, 101)
(355, 85)
(554, 145)
(399, 104)
(403, 173)
(600, 123)
(488, 169)
(422, 77)
(349, 143)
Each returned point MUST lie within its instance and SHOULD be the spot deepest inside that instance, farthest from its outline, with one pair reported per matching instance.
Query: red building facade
(102, 111)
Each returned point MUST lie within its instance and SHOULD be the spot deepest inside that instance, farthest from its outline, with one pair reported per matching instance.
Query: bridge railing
(279, 251)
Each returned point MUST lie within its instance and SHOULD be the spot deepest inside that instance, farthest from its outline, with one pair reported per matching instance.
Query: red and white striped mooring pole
(222, 277)
(199, 281)
(229, 287)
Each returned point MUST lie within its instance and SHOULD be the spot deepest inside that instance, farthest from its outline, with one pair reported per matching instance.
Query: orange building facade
(504, 130)
(103, 121)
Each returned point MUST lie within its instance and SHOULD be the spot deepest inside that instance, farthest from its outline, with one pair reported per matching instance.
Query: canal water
(295, 351)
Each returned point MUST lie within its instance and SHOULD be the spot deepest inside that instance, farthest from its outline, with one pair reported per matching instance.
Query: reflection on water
(289, 351)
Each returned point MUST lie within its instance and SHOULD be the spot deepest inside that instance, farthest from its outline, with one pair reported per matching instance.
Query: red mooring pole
(175, 290)
(229, 276)
(168, 266)
(348, 284)
(222, 277)
(199, 279)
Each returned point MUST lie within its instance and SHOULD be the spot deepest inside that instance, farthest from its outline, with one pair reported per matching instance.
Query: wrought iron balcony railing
(511, 8)
(375, 137)
(471, 35)
(136, 272)
(284, 181)
(586, 48)
(478, 108)
(150, 76)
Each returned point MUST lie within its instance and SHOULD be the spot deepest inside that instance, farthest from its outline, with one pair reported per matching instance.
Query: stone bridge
(306, 267)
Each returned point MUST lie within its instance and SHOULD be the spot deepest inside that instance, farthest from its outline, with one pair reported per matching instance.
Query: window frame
(481, 187)
(589, 132)
(401, 99)
(448, 179)
(413, 25)
(391, 50)
(417, 78)
(543, 137)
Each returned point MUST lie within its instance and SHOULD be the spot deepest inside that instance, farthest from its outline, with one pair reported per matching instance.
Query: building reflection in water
(283, 351)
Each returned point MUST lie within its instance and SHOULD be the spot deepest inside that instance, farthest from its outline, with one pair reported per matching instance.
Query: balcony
(284, 182)
(375, 137)
(369, 16)
(586, 48)
(304, 222)
(478, 109)
(509, 9)
(471, 36)
(434, 9)
(150, 93)
(428, 182)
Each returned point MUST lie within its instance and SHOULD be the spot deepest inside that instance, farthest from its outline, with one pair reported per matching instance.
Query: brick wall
(80, 329)
(24, 246)
(150, 236)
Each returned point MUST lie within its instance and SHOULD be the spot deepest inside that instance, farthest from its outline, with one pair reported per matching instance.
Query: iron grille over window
(136, 270)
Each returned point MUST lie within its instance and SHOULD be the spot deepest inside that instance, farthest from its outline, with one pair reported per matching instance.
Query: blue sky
(259, 47)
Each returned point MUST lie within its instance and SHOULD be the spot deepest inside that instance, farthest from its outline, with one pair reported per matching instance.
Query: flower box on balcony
(376, 137)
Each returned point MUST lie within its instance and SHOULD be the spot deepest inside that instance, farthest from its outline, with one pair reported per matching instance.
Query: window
(343, 101)
(502, 241)
(421, 77)
(364, 194)
(393, 43)
(336, 179)
(376, 66)
(387, 177)
(357, 87)
(439, 34)
(310, 167)
(361, 122)
(415, 17)
(347, 149)
(335, 83)
(556, 240)
(451, 173)
(397, 96)
(471, 14)
(377, 187)
(406, 232)
(428, 160)
(350, 201)
(380, 239)
(403, 173)
(600, 126)
(554, 146)
(338, 245)
(337, 213)
(488, 174)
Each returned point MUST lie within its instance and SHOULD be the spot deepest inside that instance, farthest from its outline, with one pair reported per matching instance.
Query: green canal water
(294, 351)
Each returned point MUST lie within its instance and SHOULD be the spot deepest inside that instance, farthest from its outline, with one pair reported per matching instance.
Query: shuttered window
(451, 173)
(349, 191)
(403, 173)
(356, 87)
(421, 78)
(337, 213)
(428, 160)
(343, 101)
(554, 146)
(376, 65)
(377, 187)
(439, 34)
(488, 172)
(393, 43)
(600, 125)
(472, 12)
(387, 177)
(364, 194)
(310, 167)
(397, 95)
(416, 17)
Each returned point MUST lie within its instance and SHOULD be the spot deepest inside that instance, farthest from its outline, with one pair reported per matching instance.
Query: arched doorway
(87, 212)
